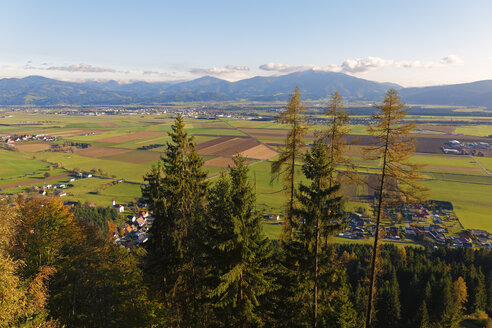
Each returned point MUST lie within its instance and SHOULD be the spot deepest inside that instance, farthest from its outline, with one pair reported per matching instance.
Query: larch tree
(335, 134)
(175, 192)
(335, 138)
(285, 165)
(399, 179)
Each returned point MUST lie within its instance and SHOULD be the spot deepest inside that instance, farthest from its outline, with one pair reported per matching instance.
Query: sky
(412, 43)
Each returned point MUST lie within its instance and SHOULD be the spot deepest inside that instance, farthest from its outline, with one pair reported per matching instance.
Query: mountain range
(314, 85)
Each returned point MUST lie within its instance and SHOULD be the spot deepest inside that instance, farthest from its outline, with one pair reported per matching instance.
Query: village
(9, 140)
(433, 223)
(134, 231)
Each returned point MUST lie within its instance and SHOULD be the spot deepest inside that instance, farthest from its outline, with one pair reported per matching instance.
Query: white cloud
(328, 68)
(282, 68)
(362, 65)
(75, 68)
(237, 68)
(210, 71)
(451, 59)
(232, 72)
(82, 68)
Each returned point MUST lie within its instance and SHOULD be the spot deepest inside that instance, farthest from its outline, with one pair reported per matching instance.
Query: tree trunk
(376, 236)
(315, 314)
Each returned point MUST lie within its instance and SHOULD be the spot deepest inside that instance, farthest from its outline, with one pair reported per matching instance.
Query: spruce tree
(319, 205)
(450, 308)
(241, 250)
(388, 303)
(175, 191)
(423, 316)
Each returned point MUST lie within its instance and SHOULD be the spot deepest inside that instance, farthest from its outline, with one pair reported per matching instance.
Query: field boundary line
(480, 164)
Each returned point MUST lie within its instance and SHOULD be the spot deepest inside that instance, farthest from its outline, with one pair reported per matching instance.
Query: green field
(15, 164)
(475, 130)
(472, 202)
(458, 179)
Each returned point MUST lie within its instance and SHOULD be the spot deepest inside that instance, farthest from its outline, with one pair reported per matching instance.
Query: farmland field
(116, 144)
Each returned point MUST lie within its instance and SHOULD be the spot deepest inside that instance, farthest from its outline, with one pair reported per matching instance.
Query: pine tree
(423, 316)
(176, 193)
(337, 309)
(450, 309)
(286, 163)
(241, 247)
(477, 299)
(398, 182)
(388, 303)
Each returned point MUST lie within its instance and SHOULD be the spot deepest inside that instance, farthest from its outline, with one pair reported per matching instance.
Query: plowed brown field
(230, 147)
(220, 162)
(99, 151)
(131, 136)
(30, 147)
(259, 152)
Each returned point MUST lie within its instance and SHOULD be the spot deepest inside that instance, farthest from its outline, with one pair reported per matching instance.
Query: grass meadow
(458, 179)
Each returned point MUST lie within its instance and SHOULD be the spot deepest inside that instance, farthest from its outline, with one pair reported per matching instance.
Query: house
(131, 218)
(438, 221)
(409, 231)
(453, 143)
(450, 151)
(466, 239)
(482, 240)
(120, 208)
(71, 180)
(141, 237)
(143, 213)
(480, 233)
(141, 221)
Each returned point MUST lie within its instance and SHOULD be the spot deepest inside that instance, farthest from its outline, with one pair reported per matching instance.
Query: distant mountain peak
(314, 85)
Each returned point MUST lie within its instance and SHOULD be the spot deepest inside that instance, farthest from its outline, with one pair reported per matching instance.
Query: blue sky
(408, 42)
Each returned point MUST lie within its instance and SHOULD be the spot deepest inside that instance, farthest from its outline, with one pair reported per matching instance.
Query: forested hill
(314, 85)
